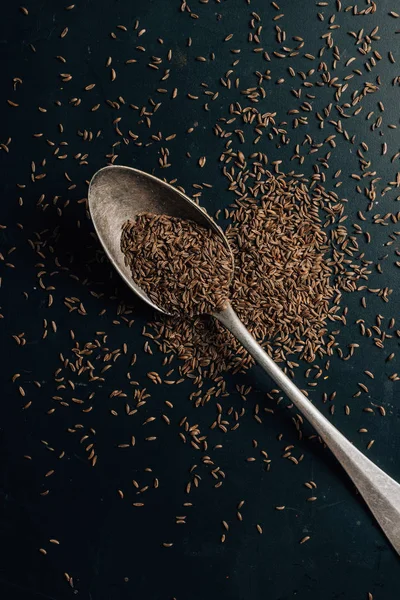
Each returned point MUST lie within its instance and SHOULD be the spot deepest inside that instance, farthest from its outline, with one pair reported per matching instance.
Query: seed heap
(183, 267)
(283, 284)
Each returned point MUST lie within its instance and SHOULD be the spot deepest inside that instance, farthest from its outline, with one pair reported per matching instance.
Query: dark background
(112, 549)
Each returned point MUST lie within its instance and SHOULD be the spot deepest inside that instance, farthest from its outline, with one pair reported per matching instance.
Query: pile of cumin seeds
(183, 267)
(283, 287)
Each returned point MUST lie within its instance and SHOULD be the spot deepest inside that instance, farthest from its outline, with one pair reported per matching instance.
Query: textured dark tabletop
(111, 549)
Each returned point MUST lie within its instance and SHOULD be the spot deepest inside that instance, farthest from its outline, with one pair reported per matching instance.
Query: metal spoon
(119, 193)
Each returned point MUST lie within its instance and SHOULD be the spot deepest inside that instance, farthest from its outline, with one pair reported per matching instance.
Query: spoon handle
(380, 492)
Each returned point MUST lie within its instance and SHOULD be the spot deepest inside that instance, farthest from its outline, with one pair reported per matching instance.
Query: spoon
(118, 193)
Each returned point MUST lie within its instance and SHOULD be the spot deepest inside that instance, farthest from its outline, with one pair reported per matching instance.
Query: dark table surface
(111, 549)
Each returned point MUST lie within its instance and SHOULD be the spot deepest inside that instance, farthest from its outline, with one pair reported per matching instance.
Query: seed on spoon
(183, 267)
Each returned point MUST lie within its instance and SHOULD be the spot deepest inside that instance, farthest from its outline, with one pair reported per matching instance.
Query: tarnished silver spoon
(117, 194)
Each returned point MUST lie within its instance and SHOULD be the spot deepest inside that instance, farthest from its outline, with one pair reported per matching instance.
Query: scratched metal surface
(110, 548)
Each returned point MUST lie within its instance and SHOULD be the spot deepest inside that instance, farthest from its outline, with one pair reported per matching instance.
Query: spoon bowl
(119, 193)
